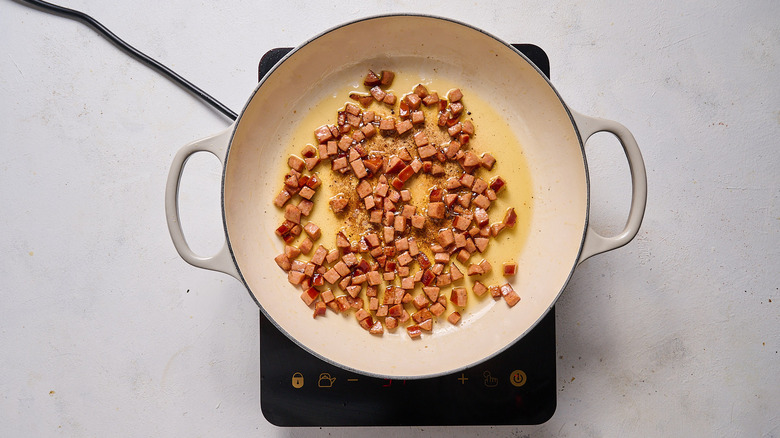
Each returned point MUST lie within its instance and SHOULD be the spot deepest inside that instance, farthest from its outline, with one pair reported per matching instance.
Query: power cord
(132, 51)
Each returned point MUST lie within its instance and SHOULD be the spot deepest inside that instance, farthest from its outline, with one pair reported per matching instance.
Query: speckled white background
(105, 331)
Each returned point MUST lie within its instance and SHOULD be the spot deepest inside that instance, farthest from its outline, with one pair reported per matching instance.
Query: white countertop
(105, 331)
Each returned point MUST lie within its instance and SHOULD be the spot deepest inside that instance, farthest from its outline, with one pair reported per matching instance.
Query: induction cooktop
(515, 387)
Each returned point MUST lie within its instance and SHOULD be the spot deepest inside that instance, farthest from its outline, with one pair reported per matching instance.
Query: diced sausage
(359, 168)
(496, 228)
(363, 99)
(318, 258)
(306, 192)
(323, 134)
(454, 95)
(403, 126)
(510, 218)
(459, 296)
(455, 273)
(488, 161)
(454, 318)
(418, 221)
(387, 124)
(431, 99)
(338, 203)
(283, 261)
(377, 328)
(282, 198)
(377, 93)
(414, 331)
(295, 277)
(437, 309)
(309, 295)
(481, 243)
(372, 79)
(479, 289)
(305, 246)
(482, 201)
(436, 210)
(456, 108)
(509, 294)
(293, 214)
(386, 77)
(497, 183)
(510, 269)
(475, 270)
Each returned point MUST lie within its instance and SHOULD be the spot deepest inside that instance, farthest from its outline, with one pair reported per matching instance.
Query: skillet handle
(595, 243)
(217, 145)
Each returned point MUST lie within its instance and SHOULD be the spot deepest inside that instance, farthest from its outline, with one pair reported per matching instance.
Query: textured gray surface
(105, 331)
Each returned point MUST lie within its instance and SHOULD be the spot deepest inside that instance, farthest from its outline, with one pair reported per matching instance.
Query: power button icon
(517, 378)
(297, 380)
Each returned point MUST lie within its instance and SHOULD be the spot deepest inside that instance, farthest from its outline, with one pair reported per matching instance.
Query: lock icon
(297, 380)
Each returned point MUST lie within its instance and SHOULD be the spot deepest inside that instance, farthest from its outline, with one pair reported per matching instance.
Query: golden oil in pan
(492, 135)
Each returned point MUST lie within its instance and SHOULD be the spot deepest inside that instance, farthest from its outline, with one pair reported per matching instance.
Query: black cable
(132, 51)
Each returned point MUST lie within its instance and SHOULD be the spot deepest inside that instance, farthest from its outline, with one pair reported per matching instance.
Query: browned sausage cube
(436, 210)
(363, 189)
(420, 301)
(378, 93)
(372, 79)
(510, 296)
(482, 202)
(454, 95)
(510, 219)
(296, 163)
(295, 277)
(488, 161)
(417, 117)
(510, 269)
(386, 77)
(496, 228)
(283, 261)
(391, 322)
(293, 214)
(403, 127)
(445, 237)
(323, 134)
(387, 124)
(454, 318)
(418, 221)
(459, 296)
(431, 99)
(306, 192)
(475, 270)
(437, 309)
(455, 273)
(481, 243)
(305, 246)
(414, 331)
(463, 256)
(376, 329)
(479, 289)
(309, 295)
(389, 99)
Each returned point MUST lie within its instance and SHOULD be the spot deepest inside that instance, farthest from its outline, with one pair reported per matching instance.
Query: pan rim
(482, 359)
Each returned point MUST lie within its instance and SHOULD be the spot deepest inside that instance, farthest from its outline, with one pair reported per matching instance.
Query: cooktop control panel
(516, 386)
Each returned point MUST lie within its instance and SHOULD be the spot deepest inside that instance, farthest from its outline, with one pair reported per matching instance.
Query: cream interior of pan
(421, 47)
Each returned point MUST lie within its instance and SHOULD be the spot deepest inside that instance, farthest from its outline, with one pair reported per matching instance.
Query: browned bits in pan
(400, 268)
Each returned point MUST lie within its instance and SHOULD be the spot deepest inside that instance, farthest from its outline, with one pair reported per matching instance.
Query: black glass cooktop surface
(513, 388)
